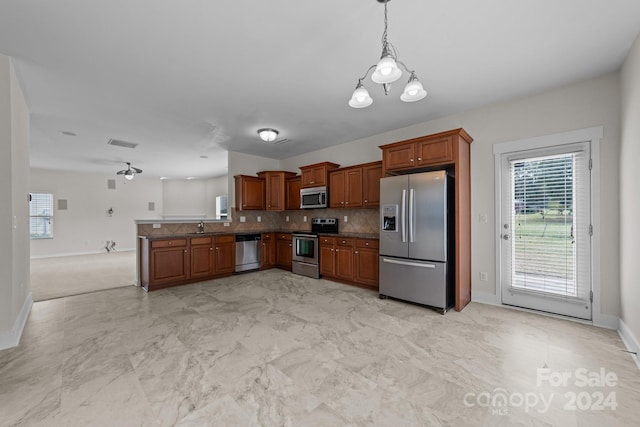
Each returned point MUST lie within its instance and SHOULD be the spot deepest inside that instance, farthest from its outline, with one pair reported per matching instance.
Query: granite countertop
(223, 233)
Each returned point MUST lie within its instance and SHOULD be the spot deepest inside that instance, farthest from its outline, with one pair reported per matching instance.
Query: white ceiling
(193, 78)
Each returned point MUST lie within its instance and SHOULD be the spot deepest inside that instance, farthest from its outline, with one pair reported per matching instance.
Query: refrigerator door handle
(412, 235)
(403, 203)
(411, 264)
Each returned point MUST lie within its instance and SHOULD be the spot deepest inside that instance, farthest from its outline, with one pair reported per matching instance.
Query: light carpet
(72, 275)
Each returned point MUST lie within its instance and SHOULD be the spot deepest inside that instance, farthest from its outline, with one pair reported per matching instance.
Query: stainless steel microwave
(315, 197)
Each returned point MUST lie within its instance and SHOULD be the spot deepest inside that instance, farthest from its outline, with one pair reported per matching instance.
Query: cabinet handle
(337, 250)
(217, 249)
(411, 160)
(366, 244)
(366, 201)
(170, 243)
(185, 251)
(342, 203)
(210, 249)
(419, 158)
(355, 252)
(347, 203)
(289, 244)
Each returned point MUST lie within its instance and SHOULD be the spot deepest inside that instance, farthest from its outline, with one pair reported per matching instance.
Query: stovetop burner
(324, 225)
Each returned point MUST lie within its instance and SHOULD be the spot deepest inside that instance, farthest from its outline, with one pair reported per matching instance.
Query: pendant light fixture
(268, 134)
(387, 72)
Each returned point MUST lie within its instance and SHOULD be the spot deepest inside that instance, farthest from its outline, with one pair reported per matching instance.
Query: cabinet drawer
(283, 236)
(267, 236)
(327, 240)
(201, 240)
(226, 239)
(344, 242)
(368, 243)
(169, 243)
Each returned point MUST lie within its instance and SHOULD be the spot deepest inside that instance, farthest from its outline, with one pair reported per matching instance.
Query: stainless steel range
(305, 257)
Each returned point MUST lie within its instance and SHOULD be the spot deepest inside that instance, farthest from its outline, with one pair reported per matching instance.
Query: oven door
(305, 248)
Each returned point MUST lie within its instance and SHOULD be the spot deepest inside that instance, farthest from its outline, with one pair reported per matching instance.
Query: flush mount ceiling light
(268, 134)
(387, 72)
(130, 172)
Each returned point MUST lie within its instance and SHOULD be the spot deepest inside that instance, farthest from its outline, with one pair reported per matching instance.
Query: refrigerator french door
(415, 254)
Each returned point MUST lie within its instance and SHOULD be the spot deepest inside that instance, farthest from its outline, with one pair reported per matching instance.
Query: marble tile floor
(276, 349)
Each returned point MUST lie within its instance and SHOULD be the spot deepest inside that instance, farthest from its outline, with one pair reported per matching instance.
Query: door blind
(550, 222)
(40, 216)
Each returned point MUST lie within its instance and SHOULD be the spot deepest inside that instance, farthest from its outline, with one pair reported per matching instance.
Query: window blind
(41, 216)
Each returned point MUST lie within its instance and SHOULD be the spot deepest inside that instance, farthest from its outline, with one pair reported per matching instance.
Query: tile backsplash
(358, 221)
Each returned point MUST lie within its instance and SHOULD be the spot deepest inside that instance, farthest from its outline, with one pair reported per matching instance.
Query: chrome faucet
(201, 227)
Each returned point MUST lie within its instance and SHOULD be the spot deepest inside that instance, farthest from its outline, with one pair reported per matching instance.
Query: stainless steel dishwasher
(247, 252)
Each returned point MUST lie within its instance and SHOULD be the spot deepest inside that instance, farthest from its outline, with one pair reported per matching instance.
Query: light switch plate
(157, 225)
(304, 218)
(226, 224)
(346, 219)
(259, 218)
(243, 219)
(286, 218)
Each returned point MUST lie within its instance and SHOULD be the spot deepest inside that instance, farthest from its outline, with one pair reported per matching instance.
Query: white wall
(629, 194)
(15, 295)
(585, 104)
(193, 198)
(85, 226)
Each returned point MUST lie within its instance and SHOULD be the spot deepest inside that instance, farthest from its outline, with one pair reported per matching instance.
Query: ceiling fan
(130, 172)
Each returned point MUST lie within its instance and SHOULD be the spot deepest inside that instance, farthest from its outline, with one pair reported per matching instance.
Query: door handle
(506, 236)
(402, 215)
(411, 212)
(411, 264)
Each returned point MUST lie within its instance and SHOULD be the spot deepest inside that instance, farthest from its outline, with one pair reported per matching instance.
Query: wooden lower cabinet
(350, 260)
(366, 262)
(225, 254)
(177, 261)
(169, 262)
(267, 251)
(202, 259)
(284, 250)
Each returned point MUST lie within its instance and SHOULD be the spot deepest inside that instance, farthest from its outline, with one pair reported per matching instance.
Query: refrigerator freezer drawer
(421, 282)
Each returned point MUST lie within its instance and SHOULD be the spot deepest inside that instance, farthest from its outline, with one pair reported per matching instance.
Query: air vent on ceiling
(281, 141)
(120, 143)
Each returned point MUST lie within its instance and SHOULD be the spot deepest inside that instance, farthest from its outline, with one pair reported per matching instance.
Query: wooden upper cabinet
(346, 188)
(275, 193)
(250, 192)
(317, 175)
(431, 150)
(293, 186)
(434, 151)
(399, 156)
(371, 174)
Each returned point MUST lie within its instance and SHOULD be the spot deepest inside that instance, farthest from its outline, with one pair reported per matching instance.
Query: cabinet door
(353, 188)
(399, 157)
(225, 257)
(275, 192)
(344, 263)
(312, 177)
(202, 261)
(366, 266)
(169, 265)
(327, 261)
(435, 151)
(284, 253)
(293, 192)
(250, 193)
(268, 251)
(337, 189)
(371, 186)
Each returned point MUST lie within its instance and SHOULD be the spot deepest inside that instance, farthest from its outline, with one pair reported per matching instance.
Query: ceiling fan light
(129, 175)
(413, 91)
(387, 70)
(268, 134)
(360, 97)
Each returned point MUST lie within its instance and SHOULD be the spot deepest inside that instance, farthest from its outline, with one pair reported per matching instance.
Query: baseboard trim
(81, 253)
(630, 341)
(11, 338)
(485, 298)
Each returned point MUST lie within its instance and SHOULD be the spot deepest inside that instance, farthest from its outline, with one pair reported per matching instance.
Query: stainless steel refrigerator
(416, 254)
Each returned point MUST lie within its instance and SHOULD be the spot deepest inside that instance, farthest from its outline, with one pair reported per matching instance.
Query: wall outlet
(286, 218)
(227, 224)
(304, 218)
(243, 219)
(259, 218)
(157, 225)
(483, 276)
(345, 219)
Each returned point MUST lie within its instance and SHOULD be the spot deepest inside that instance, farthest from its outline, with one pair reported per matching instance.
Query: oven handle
(310, 236)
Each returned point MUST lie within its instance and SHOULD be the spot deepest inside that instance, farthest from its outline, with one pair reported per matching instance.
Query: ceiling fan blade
(121, 172)
(136, 169)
